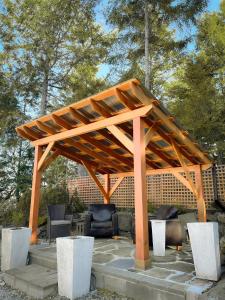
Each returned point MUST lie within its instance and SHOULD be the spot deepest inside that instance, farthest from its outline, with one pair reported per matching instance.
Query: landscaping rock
(221, 218)
(222, 244)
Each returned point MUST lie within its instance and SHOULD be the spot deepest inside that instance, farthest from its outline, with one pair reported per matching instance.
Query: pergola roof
(85, 131)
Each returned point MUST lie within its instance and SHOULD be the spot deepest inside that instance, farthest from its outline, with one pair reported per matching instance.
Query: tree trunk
(44, 95)
(17, 192)
(147, 50)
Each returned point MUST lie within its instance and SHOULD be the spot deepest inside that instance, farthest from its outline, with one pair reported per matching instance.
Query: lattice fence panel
(161, 189)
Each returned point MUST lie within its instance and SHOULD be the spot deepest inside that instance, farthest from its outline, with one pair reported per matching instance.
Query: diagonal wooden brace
(45, 155)
(95, 179)
(198, 192)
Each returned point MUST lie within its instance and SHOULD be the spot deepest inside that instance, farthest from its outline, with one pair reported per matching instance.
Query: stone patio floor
(175, 268)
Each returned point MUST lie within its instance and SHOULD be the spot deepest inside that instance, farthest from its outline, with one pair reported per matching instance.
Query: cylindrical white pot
(15, 247)
(74, 261)
(159, 237)
(204, 239)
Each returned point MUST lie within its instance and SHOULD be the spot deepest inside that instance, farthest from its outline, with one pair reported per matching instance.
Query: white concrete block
(74, 261)
(15, 247)
(204, 239)
(159, 237)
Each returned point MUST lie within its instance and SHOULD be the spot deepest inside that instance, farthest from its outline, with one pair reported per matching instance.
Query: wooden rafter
(94, 126)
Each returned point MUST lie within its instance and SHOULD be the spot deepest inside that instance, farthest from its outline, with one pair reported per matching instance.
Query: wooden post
(35, 195)
(142, 259)
(200, 195)
(107, 188)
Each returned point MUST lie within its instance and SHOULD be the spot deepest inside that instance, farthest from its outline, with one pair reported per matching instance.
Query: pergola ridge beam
(127, 116)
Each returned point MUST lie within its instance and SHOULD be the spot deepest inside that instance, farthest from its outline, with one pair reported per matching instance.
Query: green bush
(76, 205)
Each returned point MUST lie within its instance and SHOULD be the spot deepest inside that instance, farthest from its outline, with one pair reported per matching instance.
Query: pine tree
(147, 47)
(197, 94)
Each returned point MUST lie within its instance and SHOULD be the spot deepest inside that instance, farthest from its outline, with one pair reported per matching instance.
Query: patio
(170, 277)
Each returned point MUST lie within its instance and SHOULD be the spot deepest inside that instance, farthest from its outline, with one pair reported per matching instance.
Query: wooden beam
(124, 99)
(78, 116)
(95, 126)
(99, 109)
(35, 196)
(182, 179)
(166, 137)
(104, 160)
(45, 154)
(121, 137)
(45, 128)
(50, 159)
(142, 260)
(184, 166)
(107, 188)
(200, 194)
(98, 97)
(162, 171)
(139, 94)
(183, 138)
(95, 179)
(149, 134)
(115, 186)
(106, 149)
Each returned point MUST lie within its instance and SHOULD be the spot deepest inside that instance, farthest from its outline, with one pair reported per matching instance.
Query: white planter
(74, 261)
(204, 239)
(15, 247)
(159, 237)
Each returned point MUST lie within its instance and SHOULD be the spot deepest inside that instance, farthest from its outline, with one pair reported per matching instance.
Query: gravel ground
(6, 293)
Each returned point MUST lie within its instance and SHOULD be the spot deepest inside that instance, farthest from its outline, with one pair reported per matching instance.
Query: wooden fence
(161, 189)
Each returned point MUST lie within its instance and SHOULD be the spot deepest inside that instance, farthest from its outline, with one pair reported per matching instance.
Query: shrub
(76, 205)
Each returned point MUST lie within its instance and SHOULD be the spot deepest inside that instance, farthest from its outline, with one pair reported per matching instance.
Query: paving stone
(122, 263)
(163, 259)
(177, 266)
(184, 278)
(105, 248)
(124, 252)
(102, 258)
(158, 272)
(200, 282)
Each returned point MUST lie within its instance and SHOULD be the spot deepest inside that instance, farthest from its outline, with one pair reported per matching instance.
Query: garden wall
(161, 189)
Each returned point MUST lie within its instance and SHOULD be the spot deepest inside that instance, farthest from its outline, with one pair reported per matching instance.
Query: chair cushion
(101, 224)
(57, 211)
(60, 222)
(102, 212)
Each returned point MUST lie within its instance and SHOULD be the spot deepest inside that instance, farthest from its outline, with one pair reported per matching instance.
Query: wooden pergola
(122, 131)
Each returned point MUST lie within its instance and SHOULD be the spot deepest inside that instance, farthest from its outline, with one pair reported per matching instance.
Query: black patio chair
(59, 224)
(101, 221)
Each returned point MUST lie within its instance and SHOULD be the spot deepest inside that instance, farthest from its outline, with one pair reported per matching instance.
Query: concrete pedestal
(74, 261)
(204, 239)
(159, 237)
(15, 247)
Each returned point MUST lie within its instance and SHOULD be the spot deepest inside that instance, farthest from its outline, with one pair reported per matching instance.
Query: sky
(213, 5)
